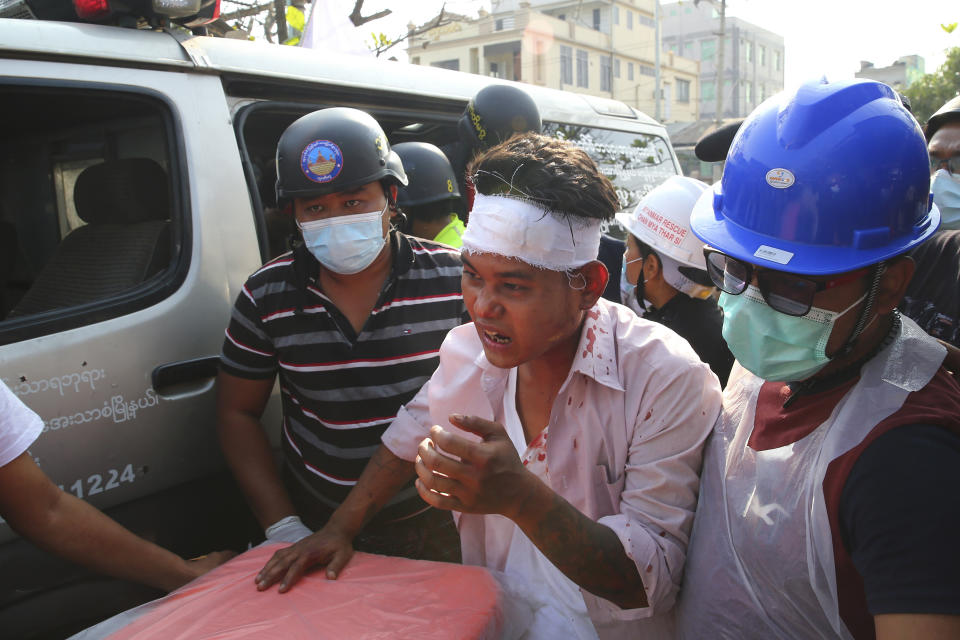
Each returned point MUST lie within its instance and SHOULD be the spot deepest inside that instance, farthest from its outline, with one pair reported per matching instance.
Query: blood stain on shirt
(591, 339)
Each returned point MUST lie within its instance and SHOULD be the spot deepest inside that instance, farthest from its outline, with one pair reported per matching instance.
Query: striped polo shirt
(341, 389)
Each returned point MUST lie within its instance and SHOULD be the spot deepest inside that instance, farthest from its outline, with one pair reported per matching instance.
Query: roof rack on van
(609, 107)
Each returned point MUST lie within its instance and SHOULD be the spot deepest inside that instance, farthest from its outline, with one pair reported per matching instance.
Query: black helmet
(947, 113)
(431, 178)
(496, 113)
(331, 150)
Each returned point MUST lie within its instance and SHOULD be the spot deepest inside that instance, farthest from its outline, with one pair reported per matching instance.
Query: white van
(136, 196)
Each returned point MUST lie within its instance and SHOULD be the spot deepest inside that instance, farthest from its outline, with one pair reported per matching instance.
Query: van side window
(88, 218)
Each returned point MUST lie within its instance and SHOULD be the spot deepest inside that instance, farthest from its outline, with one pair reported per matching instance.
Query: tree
(260, 17)
(932, 90)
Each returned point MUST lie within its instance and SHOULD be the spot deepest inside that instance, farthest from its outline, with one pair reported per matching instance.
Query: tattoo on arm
(588, 553)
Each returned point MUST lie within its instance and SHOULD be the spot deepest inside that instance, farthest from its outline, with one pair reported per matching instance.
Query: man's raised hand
(487, 478)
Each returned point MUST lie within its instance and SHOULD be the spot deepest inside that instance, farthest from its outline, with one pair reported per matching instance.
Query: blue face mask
(773, 345)
(946, 195)
(345, 244)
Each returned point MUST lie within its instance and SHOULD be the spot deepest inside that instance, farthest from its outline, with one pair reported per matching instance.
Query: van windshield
(634, 162)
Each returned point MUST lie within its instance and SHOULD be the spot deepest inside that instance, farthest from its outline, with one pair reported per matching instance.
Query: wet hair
(547, 171)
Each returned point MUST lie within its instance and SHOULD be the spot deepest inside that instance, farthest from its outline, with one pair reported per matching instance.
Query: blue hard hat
(828, 178)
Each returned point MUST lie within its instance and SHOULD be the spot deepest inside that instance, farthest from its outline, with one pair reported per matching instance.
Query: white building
(753, 57)
(602, 48)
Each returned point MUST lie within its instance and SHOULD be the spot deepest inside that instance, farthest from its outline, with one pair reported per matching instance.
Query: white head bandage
(516, 228)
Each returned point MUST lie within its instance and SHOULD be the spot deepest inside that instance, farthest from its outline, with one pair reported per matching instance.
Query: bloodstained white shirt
(625, 443)
(19, 426)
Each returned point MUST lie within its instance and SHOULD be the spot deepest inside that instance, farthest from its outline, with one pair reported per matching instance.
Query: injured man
(563, 431)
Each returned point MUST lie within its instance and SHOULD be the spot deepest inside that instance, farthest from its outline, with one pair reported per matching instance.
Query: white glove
(290, 529)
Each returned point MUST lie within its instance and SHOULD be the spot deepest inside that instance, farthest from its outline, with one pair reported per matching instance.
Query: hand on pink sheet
(488, 478)
(328, 547)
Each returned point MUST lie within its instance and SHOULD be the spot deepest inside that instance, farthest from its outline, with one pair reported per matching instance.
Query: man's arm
(240, 403)
(900, 626)
(332, 546)
(588, 553)
(489, 478)
(69, 527)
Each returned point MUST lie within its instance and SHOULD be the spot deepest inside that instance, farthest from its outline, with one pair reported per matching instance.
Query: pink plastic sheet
(375, 597)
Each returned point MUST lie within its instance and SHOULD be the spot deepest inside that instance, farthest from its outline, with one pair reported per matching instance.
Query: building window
(748, 93)
(616, 14)
(495, 70)
(646, 21)
(629, 71)
(453, 65)
(561, 16)
(763, 56)
(683, 90)
(763, 93)
(708, 90)
(583, 71)
(498, 25)
(629, 19)
(616, 68)
(776, 60)
(604, 73)
(647, 70)
(708, 49)
(748, 50)
(596, 19)
(566, 65)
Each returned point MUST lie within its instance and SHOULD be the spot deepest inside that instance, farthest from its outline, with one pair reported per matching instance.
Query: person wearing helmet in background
(827, 501)
(664, 276)
(495, 113)
(943, 145)
(932, 299)
(430, 201)
(351, 319)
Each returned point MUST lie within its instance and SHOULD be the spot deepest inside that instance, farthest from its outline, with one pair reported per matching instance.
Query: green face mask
(773, 345)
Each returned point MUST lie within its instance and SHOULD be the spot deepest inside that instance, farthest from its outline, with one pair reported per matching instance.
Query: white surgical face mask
(946, 194)
(345, 244)
(628, 290)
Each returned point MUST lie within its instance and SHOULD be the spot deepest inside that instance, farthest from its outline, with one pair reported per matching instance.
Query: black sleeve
(900, 519)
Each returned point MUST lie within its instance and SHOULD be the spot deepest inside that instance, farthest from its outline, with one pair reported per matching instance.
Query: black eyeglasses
(784, 292)
(952, 163)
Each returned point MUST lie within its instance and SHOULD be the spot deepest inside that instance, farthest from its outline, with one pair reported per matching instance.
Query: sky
(821, 37)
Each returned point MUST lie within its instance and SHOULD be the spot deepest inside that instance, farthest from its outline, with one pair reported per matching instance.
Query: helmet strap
(403, 224)
(862, 321)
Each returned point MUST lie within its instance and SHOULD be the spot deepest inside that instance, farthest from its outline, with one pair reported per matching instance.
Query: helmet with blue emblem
(829, 178)
(333, 150)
